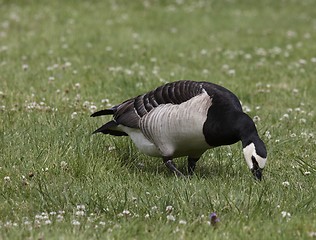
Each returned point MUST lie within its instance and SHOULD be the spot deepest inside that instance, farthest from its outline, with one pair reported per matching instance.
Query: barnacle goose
(185, 118)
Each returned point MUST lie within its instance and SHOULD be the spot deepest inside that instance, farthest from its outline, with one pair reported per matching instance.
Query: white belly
(177, 130)
(141, 142)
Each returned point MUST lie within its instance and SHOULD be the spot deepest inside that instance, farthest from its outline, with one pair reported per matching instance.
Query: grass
(62, 60)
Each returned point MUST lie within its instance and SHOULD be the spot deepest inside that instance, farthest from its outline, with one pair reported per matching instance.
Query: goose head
(256, 157)
(254, 149)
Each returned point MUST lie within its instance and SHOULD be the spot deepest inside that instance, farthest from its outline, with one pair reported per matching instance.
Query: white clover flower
(246, 109)
(67, 64)
(48, 222)
(63, 166)
(312, 234)
(126, 212)
(80, 213)
(139, 84)
(86, 104)
(285, 116)
(231, 72)
(286, 184)
(73, 115)
(205, 71)
(27, 222)
(75, 222)
(293, 135)
(4, 48)
(7, 224)
(60, 218)
(111, 148)
(44, 216)
(285, 214)
(302, 120)
(275, 50)
(261, 52)
(81, 207)
(128, 72)
(203, 52)
(93, 108)
(169, 209)
(302, 61)
(7, 179)
(307, 173)
(182, 222)
(225, 67)
(51, 78)
(307, 35)
(171, 218)
(267, 135)
(25, 67)
(247, 56)
(37, 222)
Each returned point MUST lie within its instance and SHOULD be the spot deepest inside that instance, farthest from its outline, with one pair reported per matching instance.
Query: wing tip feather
(103, 112)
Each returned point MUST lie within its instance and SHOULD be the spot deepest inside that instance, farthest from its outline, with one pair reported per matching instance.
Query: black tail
(103, 112)
(106, 128)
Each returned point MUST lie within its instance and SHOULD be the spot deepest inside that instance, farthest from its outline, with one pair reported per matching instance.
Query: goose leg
(169, 163)
(191, 164)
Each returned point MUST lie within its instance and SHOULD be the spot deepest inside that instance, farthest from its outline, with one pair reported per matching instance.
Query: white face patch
(249, 152)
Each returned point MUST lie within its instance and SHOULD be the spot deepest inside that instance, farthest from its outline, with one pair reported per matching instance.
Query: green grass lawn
(62, 60)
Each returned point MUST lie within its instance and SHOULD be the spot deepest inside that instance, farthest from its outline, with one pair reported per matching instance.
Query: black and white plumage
(185, 118)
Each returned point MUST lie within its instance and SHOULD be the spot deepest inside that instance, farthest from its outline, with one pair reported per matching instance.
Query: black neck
(249, 134)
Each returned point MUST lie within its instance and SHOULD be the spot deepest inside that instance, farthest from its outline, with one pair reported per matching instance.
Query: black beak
(256, 170)
(257, 173)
